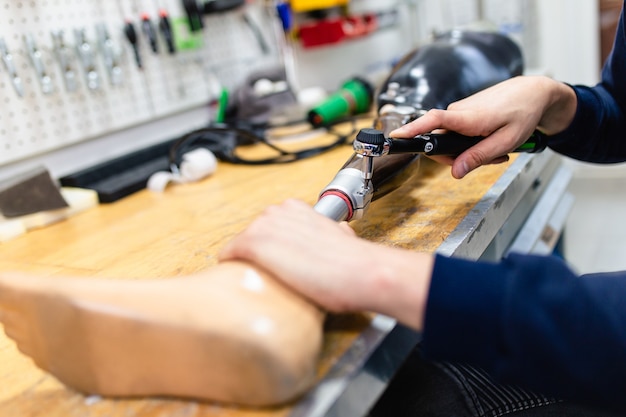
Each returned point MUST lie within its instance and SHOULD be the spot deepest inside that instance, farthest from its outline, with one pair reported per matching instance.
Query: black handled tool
(133, 39)
(150, 33)
(165, 27)
(372, 142)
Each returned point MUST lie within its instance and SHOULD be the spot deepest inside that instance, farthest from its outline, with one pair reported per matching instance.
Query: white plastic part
(196, 165)
(159, 180)
(10, 229)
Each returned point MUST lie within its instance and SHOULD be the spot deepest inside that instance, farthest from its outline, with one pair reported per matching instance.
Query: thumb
(488, 151)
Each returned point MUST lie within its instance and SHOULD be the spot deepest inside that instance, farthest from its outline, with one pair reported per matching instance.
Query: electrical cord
(223, 140)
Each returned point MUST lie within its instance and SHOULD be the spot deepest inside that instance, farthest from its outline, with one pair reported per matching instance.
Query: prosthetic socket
(453, 66)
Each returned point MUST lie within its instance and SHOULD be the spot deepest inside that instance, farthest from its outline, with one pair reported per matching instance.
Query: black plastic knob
(371, 136)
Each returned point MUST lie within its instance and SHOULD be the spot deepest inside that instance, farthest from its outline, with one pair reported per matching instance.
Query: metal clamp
(347, 197)
(9, 65)
(36, 58)
(64, 56)
(87, 57)
(110, 55)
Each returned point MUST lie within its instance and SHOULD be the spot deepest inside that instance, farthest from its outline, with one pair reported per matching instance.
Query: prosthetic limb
(230, 334)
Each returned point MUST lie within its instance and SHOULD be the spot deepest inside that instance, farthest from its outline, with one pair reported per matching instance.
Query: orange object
(308, 5)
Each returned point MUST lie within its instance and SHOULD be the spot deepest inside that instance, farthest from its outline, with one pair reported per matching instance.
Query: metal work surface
(483, 225)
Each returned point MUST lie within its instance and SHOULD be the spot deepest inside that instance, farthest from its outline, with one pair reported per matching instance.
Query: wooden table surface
(150, 235)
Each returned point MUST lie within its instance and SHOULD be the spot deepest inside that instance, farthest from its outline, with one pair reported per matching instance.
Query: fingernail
(465, 169)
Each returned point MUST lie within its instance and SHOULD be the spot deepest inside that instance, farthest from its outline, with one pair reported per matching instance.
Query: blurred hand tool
(64, 57)
(87, 56)
(110, 55)
(9, 65)
(36, 58)
(133, 39)
(150, 32)
(165, 27)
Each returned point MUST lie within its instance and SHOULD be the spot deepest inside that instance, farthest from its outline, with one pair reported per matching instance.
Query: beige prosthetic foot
(230, 334)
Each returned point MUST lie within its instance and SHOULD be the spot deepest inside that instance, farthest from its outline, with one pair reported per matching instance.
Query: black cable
(223, 141)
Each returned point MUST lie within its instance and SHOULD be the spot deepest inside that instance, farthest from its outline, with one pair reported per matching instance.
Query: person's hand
(326, 262)
(506, 115)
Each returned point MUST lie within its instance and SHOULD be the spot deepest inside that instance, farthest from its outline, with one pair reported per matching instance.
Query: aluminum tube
(333, 207)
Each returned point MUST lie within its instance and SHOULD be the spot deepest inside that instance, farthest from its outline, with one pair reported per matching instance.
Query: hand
(506, 115)
(326, 262)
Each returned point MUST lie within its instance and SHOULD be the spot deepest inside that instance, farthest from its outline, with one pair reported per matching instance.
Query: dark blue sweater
(530, 320)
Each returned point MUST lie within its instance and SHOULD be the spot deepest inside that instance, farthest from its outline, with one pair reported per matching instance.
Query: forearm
(597, 130)
(530, 321)
(399, 285)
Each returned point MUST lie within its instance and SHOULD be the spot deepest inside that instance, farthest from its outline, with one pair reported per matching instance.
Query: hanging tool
(165, 26)
(87, 56)
(257, 32)
(133, 39)
(9, 65)
(110, 55)
(65, 59)
(149, 32)
(194, 15)
(284, 36)
(36, 58)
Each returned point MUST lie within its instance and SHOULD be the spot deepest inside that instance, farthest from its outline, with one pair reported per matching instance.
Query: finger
(286, 214)
(496, 146)
(427, 123)
(466, 122)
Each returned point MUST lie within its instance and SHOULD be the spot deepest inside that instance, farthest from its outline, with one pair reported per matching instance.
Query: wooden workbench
(150, 235)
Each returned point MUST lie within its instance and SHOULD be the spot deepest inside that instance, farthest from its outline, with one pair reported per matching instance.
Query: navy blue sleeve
(531, 321)
(598, 131)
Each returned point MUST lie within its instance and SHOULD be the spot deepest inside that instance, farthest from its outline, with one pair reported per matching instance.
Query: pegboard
(50, 115)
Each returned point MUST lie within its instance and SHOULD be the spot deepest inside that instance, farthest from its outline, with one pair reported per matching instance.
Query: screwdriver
(148, 30)
(194, 15)
(131, 35)
(166, 30)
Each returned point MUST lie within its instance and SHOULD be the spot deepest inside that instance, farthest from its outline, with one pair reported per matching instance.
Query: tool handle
(166, 30)
(452, 143)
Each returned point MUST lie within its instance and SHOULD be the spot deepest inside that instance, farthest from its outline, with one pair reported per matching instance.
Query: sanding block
(30, 192)
(78, 200)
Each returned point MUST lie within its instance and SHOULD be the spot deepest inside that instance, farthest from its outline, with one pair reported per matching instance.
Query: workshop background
(84, 81)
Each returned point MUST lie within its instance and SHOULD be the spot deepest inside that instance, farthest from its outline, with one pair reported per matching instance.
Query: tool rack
(40, 112)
